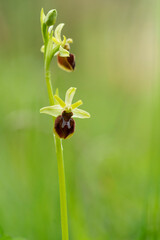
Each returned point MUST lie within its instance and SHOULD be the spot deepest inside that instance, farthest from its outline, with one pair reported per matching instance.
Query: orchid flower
(65, 111)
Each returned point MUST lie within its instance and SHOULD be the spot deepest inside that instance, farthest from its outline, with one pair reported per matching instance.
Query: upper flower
(53, 42)
(64, 45)
(66, 106)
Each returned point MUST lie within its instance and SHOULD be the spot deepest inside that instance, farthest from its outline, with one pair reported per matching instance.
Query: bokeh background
(112, 162)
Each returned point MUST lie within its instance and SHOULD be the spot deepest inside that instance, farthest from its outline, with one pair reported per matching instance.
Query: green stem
(62, 187)
(49, 85)
(61, 172)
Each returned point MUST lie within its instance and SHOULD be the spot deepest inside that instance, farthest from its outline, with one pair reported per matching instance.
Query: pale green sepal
(63, 52)
(76, 104)
(58, 31)
(78, 113)
(60, 101)
(69, 95)
(42, 49)
(54, 110)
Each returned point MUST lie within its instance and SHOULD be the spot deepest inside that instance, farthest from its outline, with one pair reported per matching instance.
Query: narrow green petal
(58, 31)
(55, 40)
(64, 40)
(60, 101)
(69, 95)
(63, 52)
(76, 104)
(54, 110)
(78, 113)
(69, 40)
(57, 92)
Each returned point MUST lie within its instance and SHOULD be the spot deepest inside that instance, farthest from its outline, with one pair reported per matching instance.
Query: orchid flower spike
(64, 112)
(54, 45)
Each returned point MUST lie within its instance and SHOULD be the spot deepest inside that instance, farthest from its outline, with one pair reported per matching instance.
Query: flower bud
(66, 63)
(50, 18)
(64, 125)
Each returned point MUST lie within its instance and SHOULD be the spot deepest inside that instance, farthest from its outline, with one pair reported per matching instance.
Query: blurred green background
(112, 161)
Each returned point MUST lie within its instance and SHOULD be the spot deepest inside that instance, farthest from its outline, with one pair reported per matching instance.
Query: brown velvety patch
(66, 63)
(64, 125)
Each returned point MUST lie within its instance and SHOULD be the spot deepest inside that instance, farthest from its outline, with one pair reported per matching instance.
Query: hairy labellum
(67, 63)
(64, 125)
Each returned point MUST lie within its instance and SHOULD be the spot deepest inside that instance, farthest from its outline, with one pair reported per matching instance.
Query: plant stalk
(61, 171)
(62, 188)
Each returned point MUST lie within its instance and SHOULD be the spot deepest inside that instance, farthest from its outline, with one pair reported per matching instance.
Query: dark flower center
(64, 125)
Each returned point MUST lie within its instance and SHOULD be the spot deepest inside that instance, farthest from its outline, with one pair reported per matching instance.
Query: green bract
(66, 106)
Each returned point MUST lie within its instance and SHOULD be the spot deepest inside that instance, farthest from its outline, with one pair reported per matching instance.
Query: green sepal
(58, 31)
(69, 95)
(79, 113)
(51, 17)
(54, 110)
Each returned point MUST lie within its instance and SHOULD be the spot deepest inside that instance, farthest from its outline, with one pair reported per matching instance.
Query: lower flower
(64, 112)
